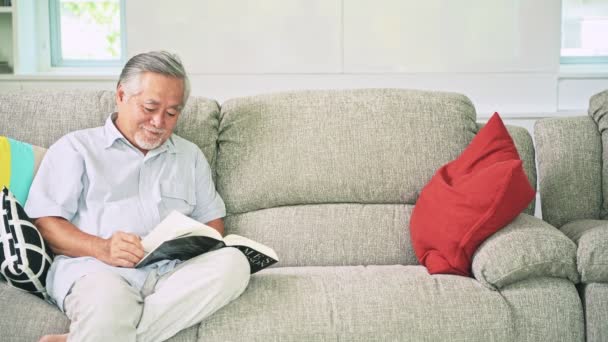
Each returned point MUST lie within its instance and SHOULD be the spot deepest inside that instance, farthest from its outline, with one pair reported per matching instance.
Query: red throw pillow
(469, 199)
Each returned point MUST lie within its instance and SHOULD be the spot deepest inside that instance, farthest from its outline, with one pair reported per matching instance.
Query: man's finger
(132, 250)
(120, 262)
(135, 249)
(132, 238)
(129, 257)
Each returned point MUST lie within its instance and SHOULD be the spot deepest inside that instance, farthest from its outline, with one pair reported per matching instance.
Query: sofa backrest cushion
(598, 111)
(378, 146)
(42, 117)
(329, 177)
(569, 152)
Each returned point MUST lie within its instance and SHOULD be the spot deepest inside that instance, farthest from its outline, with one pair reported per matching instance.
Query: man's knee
(106, 296)
(236, 269)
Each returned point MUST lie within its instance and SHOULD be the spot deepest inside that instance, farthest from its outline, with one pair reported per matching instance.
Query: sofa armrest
(591, 236)
(526, 248)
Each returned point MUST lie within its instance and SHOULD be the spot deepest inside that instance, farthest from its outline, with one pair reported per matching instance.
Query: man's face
(147, 118)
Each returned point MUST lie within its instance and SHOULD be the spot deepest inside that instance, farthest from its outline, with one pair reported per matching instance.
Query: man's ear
(120, 94)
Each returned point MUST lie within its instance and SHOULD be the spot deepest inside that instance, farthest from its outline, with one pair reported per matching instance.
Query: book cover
(181, 237)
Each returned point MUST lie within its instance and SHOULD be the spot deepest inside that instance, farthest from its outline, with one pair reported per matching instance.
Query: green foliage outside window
(102, 13)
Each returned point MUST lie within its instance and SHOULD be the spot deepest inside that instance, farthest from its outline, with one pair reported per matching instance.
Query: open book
(180, 237)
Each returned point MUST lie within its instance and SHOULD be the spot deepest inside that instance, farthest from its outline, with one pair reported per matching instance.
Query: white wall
(503, 54)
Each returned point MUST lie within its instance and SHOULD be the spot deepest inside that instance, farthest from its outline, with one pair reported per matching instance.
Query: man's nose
(158, 120)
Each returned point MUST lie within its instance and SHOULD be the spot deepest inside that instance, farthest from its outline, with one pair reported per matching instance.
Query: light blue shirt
(96, 179)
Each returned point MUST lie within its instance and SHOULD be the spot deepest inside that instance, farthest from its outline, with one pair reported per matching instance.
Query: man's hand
(122, 249)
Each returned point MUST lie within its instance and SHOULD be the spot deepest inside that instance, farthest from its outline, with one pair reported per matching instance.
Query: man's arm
(122, 249)
(217, 224)
(209, 204)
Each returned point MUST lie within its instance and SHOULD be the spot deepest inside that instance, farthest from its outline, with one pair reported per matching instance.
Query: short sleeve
(57, 186)
(209, 204)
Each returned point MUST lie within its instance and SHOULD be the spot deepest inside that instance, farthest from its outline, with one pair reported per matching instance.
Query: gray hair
(160, 62)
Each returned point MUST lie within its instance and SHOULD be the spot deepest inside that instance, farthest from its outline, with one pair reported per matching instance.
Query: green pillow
(19, 162)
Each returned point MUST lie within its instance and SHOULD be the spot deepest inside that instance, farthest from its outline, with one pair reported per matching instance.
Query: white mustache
(153, 129)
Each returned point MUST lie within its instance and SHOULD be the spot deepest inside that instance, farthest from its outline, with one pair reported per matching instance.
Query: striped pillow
(19, 163)
(25, 258)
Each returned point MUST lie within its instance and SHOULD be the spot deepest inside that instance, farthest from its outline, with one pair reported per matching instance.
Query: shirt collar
(112, 134)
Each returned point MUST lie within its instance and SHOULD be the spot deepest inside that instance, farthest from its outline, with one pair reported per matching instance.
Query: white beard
(143, 141)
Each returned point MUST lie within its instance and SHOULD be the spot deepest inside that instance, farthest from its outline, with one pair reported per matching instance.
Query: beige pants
(104, 307)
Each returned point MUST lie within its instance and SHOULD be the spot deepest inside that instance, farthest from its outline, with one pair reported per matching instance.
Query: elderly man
(99, 190)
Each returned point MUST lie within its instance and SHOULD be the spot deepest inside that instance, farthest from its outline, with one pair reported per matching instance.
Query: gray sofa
(329, 180)
(572, 160)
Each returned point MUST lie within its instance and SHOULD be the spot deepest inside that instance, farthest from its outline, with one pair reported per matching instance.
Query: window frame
(583, 60)
(56, 53)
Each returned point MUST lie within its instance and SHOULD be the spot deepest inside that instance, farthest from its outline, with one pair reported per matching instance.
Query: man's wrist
(98, 248)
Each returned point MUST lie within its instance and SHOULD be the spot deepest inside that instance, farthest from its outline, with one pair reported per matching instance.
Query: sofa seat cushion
(360, 303)
(595, 301)
(25, 317)
(591, 237)
(29, 318)
(392, 303)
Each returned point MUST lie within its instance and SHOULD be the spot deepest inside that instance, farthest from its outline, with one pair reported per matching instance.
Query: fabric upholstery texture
(592, 255)
(394, 303)
(598, 111)
(569, 153)
(326, 178)
(52, 114)
(526, 248)
(337, 146)
(469, 199)
(29, 318)
(25, 258)
(331, 234)
(595, 301)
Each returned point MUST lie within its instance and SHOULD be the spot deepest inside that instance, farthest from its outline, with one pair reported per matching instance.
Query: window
(584, 31)
(87, 33)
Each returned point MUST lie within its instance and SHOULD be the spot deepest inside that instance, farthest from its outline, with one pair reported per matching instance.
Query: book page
(237, 240)
(176, 225)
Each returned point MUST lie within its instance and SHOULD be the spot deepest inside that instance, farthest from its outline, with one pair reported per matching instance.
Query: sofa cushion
(19, 163)
(592, 254)
(598, 111)
(569, 155)
(368, 146)
(52, 114)
(331, 234)
(468, 200)
(24, 255)
(393, 303)
(526, 248)
(26, 318)
(595, 302)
